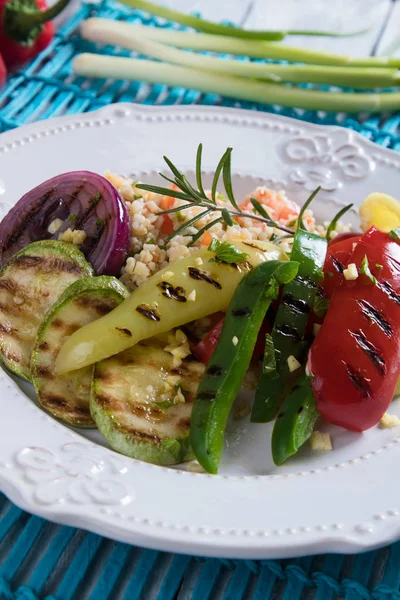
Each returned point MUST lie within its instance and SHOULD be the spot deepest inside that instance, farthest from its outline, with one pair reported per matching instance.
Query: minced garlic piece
(316, 328)
(55, 226)
(192, 296)
(389, 421)
(76, 237)
(235, 340)
(167, 274)
(179, 397)
(293, 363)
(351, 273)
(178, 346)
(199, 261)
(320, 441)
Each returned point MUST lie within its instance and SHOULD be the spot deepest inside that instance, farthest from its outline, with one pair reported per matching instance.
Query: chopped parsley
(226, 252)
(73, 218)
(329, 274)
(365, 270)
(165, 404)
(395, 234)
(96, 199)
(378, 266)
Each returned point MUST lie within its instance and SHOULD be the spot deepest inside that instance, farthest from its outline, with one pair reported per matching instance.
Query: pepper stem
(22, 21)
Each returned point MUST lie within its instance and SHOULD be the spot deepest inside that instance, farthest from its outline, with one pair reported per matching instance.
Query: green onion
(94, 29)
(365, 270)
(356, 77)
(210, 27)
(93, 65)
(395, 234)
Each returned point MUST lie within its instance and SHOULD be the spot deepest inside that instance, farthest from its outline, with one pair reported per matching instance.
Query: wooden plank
(341, 16)
(391, 35)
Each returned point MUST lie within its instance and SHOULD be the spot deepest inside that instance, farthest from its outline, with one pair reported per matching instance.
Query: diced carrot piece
(206, 239)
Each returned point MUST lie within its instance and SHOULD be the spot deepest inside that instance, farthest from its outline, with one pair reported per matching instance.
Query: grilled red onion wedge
(79, 200)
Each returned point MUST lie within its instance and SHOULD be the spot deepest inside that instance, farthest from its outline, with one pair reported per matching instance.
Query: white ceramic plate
(341, 501)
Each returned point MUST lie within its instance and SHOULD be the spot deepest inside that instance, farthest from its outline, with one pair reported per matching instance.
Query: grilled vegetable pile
(321, 329)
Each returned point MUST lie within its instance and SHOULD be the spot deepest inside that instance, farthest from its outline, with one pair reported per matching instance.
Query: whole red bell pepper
(25, 29)
(3, 72)
(336, 260)
(354, 361)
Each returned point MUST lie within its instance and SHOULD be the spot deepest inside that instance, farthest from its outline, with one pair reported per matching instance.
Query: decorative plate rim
(34, 477)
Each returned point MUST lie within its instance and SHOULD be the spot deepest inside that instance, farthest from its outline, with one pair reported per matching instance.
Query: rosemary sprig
(197, 197)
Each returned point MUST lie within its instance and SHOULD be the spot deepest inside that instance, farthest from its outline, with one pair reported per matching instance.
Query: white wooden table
(381, 17)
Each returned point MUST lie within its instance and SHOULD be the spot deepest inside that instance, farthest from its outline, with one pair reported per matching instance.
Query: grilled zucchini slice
(30, 283)
(142, 404)
(66, 397)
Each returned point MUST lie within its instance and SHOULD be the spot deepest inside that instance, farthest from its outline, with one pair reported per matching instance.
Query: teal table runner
(40, 560)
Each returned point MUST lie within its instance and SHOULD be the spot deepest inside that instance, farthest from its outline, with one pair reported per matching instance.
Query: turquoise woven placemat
(39, 560)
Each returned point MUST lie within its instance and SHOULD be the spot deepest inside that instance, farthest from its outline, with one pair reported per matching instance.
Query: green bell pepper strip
(297, 301)
(295, 421)
(231, 358)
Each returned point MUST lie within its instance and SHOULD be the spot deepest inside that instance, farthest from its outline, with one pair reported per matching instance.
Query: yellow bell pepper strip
(163, 302)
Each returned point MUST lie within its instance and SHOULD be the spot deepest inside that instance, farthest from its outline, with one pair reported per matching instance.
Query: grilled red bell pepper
(354, 361)
(25, 28)
(336, 260)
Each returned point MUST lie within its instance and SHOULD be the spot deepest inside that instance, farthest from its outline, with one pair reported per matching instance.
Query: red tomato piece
(355, 358)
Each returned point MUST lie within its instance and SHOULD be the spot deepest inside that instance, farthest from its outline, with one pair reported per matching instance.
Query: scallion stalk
(93, 65)
(216, 28)
(98, 30)
(238, 47)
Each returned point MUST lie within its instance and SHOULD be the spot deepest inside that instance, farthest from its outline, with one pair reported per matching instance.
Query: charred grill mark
(7, 329)
(140, 434)
(54, 401)
(295, 304)
(370, 350)
(359, 381)
(89, 246)
(149, 312)
(83, 411)
(306, 281)
(102, 400)
(253, 245)
(98, 305)
(288, 331)
(241, 312)
(377, 317)
(44, 372)
(171, 292)
(184, 423)
(124, 331)
(34, 210)
(387, 288)
(10, 355)
(47, 264)
(210, 396)
(215, 371)
(338, 265)
(44, 346)
(243, 266)
(8, 285)
(93, 202)
(200, 275)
